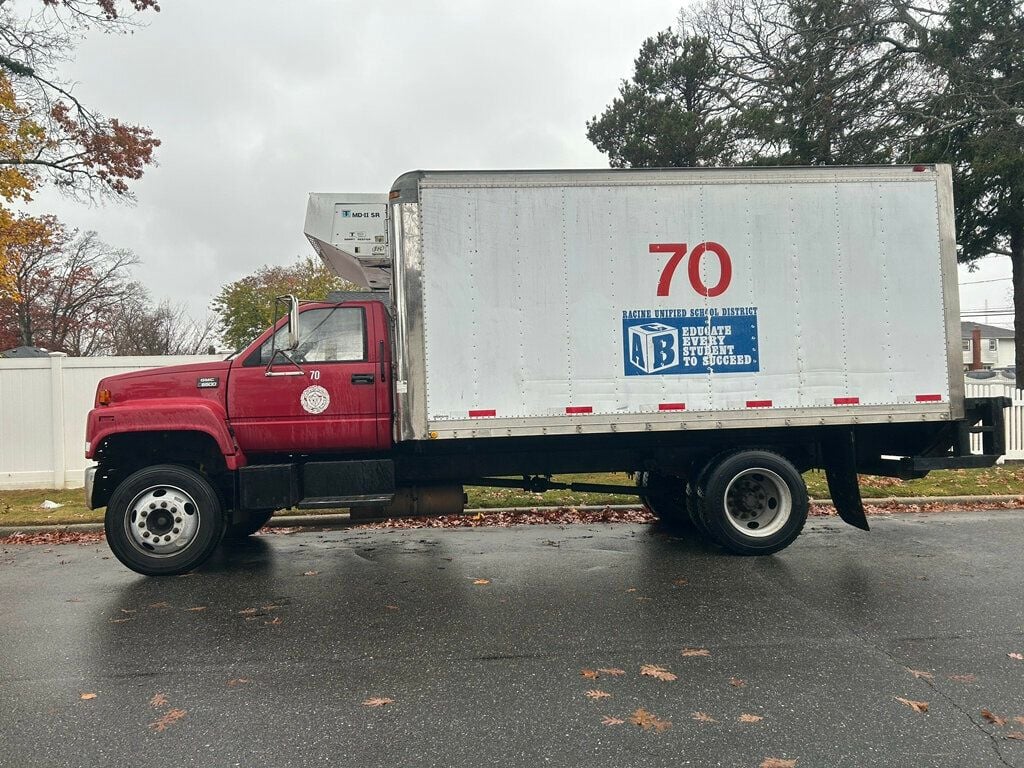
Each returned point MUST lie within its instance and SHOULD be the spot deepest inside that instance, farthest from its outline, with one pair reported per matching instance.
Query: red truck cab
(329, 395)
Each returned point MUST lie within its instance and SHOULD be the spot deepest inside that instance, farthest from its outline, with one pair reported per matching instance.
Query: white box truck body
(593, 301)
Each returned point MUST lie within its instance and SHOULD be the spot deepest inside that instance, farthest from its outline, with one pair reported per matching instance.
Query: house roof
(24, 352)
(987, 331)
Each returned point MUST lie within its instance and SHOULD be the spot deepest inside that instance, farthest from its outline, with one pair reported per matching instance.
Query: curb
(346, 521)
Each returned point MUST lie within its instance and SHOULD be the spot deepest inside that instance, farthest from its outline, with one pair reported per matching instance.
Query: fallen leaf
(391, 607)
(248, 612)
(197, 608)
(87, 696)
(612, 671)
(1019, 719)
(993, 718)
(158, 701)
(680, 582)
(644, 599)
(127, 610)
(695, 652)
(658, 673)
(917, 706)
(735, 682)
(774, 762)
(1015, 735)
(378, 702)
(169, 719)
(161, 604)
(593, 693)
(120, 621)
(964, 678)
(745, 718)
(270, 607)
(631, 589)
(311, 573)
(609, 720)
(920, 674)
(647, 721)
(1017, 656)
(236, 681)
(590, 674)
(481, 582)
(274, 621)
(703, 717)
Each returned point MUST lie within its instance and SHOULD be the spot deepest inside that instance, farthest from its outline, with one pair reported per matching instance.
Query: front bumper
(90, 481)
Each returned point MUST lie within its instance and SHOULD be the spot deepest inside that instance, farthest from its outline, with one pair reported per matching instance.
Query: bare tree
(809, 81)
(68, 284)
(137, 327)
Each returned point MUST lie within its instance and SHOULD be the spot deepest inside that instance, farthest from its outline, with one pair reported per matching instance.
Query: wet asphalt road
(253, 663)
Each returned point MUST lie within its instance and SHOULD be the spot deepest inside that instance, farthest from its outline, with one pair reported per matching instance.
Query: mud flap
(841, 473)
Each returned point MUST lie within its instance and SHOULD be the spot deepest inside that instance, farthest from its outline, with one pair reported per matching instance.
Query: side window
(329, 335)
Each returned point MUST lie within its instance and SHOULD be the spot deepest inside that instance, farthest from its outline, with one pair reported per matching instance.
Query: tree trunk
(1017, 262)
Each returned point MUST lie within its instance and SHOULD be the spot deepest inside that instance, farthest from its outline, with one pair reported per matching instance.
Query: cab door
(323, 399)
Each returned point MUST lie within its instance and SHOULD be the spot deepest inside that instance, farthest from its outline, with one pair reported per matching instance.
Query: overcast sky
(259, 103)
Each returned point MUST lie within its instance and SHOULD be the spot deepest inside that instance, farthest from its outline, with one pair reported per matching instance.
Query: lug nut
(145, 513)
(145, 534)
(176, 530)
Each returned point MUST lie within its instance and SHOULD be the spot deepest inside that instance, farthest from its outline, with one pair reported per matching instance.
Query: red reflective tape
(482, 413)
(759, 403)
(579, 409)
(671, 406)
(928, 398)
(845, 401)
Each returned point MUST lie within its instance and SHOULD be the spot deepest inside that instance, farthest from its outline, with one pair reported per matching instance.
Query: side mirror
(292, 305)
(292, 340)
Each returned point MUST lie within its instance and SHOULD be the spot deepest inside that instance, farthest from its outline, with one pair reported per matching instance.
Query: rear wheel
(252, 523)
(753, 502)
(164, 520)
(665, 496)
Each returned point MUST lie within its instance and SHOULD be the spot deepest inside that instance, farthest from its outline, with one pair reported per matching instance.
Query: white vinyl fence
(1014, 417)
(43, 405)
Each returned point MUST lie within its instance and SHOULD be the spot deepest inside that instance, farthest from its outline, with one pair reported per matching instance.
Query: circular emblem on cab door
(315, 399)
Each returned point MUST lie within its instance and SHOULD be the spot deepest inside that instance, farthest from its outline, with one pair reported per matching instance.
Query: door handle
(362, 378)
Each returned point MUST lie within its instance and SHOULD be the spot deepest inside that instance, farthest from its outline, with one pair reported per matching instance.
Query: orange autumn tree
(47, 133)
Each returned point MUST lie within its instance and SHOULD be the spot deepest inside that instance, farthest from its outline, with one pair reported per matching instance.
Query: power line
(993, 280)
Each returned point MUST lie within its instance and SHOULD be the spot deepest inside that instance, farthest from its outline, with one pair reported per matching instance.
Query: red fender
(172, 414)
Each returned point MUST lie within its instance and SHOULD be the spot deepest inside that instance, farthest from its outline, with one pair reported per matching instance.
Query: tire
(164, 520)
(694, 493)
(665, 497)
(753, 502)
(249, 526)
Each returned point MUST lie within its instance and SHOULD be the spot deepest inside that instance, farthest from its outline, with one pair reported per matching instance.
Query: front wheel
(164, 520)
(753, 502)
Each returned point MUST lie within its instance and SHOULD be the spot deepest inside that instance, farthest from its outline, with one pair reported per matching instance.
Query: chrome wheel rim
(758, 502)
(162, 521)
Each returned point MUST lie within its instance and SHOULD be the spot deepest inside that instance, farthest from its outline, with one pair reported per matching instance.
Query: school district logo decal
(315, 399)
(664, 342)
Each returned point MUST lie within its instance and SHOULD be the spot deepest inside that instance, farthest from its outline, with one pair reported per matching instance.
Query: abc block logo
(653, 347)
(688, 345)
